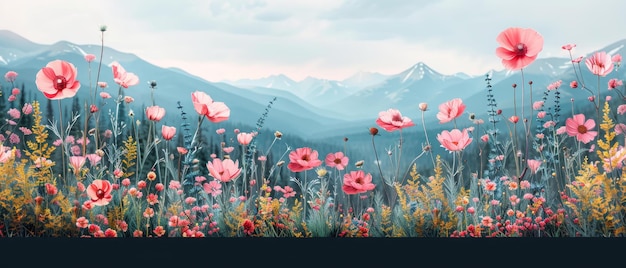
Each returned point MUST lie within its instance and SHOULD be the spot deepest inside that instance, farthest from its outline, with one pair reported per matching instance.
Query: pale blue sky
(221, 39)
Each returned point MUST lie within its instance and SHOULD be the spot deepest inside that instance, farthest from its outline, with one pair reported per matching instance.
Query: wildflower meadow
(113, 173)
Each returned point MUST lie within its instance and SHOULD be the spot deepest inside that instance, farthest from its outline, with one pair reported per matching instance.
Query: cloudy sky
(333, 39)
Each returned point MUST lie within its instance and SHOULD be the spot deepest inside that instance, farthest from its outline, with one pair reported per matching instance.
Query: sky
(332, 39)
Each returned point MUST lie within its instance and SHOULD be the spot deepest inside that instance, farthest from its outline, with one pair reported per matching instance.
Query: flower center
(582, 129)
(359, 180)
(521, 49)
(455, 143)
(337, 161)
(305, 157)
(60, 83)
(100, 194)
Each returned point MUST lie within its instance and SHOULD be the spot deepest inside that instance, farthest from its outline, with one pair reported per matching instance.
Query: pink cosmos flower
(533, 165)
(27, 109)
(99, 192)
(614, 83)
(58, 80)
(337, 160)
(392, 119)
(168, 132)
(357, 182)
(123, 78)
(214, 188)
(303, 159)
(224, 171)
(244, 138)
(599, 63)
(581, 129)
(155, 113)
(10, 76)
(454, 140)
(450, 110)
(214, 111)
(519, 47)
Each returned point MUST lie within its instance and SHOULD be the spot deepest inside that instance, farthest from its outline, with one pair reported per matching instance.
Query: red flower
(519, 47)
(303, 159)
(248, 227)
(58, 80)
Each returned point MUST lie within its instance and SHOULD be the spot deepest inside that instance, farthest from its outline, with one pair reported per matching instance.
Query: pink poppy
(599, 63)
(214, 111)
(168, 132)
(450, 110)
(99, 192)
(90, 57)
(581, 129)
(617, 59)
(533, 165)
(224, 171)
(392, 119)
(244, 138)
(105, 95)
(357, 182)
(123, 78)
(58, 80)
(568, 46)
(454, 140)
(519, 47)
(573, 84)
(303, 159)
(155, 113)
(337, 160)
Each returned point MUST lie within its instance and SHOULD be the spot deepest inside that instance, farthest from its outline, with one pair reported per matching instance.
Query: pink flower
(620, 128)
(392, 119)
(554, 85)
(99, 192)
(514, 119)
(577, 60)
(58, 80)
(10, 76)
(224, 171)
(11, 98)
(15, 91)
(573, 84)
(26, 131)
(519, 47)
(337, 160)
(105, 95)
(357, 182)
(303, 159)
(484, 138)
(128, 99)
(27, 109)
(94, 159)
(537, 105)
(228, 150)
(450, 110)
(220, 131)
(568, 46)
(155, 113)
(90, 57)
(533, 165)
(82, 222)
(581, 129)
(599, 63)
(614, 83)
(541, 114)
(14, 113)
(214, 111)
(561, 130)
(621, 109)
(123, 78)
(214, 188)
(77, 162)
(102, 84)
(244, 138)
(617, 59)
(168, 132)
(454, 140)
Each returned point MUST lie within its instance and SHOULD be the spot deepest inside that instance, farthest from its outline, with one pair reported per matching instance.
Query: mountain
(173, 86)
(364, 79)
